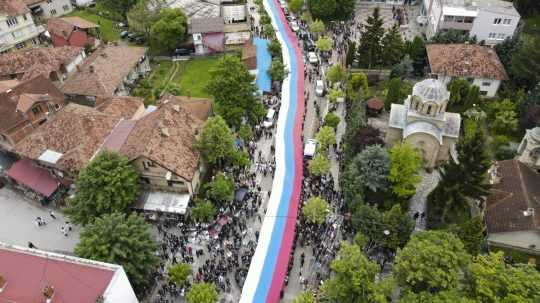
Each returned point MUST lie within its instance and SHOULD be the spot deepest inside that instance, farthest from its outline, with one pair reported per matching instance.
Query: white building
(49, 8)
(491, 21)
(480, 65)
(17, 28)
(529, 150)
(26, 273)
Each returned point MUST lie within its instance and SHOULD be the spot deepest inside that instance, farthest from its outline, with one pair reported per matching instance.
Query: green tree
(123, 240)
(505, 122)
(336, 73)
(216, 141)
(274, 48)
(461, 181)
(326, 137)
(119, 7)
(323, 9)
(331, 120)
(370, 49)
(169, 31)
(432, 261)
(317, 27)
(403, 69)
(108, 184)
(417, 51)
(277, 71)
(451, 36)
(245, 133)
(394, 93)
(319, 165)
(233, 90)
(525, 64)
(450, 296)
(351, 51)
(471, 233)
(296, 6)
(354, 279)
(203, 211)
(359, 81)
(400, 226)
(368, 221)
(393, 47)
(305, 297)
(315, 210)
(462, 95)
(335, 94)
(372, 165)
(141, 18)
(179, 273)
(202, 293)
(491, 280)
(220, 189)
(406, 163)
(324, 44)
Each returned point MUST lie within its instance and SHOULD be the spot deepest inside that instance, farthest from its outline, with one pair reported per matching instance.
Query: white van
(309, 148)
(319, 88)
(269, 120)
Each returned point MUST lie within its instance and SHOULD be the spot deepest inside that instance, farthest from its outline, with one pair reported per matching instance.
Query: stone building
(529, 149)
(423, 122)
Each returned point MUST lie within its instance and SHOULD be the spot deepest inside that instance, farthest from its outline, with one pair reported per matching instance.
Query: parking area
(409, 13)
(18, 224)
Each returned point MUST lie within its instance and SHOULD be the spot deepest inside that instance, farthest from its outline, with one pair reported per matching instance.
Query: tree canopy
(331, 120)
(315, 210)
(372, 165)
(108, 184)
(203, 211)
(393, 46)
(216, 141)
(370, 49)
(169, 30)
(119, 7)
(406, 163)
(124, 240)
(354, 279)
(305, 297)
(202, 293)
(431, 261)
(296, 6)
(324, 44)
(317, 27)
(336, 73)
(179, 273)
(319, 165)
(141, 17)
(220, 189)
(326, 136)
(277, 71)
(525, 64)
(233, 90)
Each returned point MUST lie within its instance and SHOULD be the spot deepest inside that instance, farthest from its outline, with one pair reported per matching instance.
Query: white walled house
(49, 8)
(491, 21)
(17, 28)
(480, 65)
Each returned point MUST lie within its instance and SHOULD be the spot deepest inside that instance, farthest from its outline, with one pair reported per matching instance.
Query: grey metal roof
(423, 127)
(431, 90)
(398, 115)
(206, 25)
(453, 124)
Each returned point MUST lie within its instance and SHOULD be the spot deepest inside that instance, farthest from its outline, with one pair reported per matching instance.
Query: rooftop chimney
(91, 68)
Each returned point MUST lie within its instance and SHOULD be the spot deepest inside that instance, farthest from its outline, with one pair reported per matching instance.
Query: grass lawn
(194, 76)
(160, 73)
(107, 27)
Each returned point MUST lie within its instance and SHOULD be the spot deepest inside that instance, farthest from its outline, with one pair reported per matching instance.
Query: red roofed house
(479, 65)
(73, 31)
(26, 273)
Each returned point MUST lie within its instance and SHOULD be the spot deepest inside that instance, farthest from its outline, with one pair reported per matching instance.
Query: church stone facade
(529, 149)
(422, 122)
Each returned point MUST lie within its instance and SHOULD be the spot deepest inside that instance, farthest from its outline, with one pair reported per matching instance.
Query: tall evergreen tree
(393, 47)
(525, 64)
(462, 180)
(370, 48)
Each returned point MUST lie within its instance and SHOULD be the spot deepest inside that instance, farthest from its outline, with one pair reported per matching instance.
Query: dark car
(131, 36)
(139, 40)
(309, 46)
(124, 34)
(182, 52)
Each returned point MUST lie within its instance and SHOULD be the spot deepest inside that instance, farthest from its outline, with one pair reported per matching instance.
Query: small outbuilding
(374, 106)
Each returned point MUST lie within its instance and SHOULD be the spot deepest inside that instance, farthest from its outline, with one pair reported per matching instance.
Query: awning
(240, 194)
(36, 178)
(163, 202)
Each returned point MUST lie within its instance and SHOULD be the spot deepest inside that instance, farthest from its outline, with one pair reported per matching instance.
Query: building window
(172, 183)
(459, 19)
(469, 19)
(497, 21)
(145, 180)
(36, 110)
(19, 45)
(448, 18)
(24, 17)
(486, 83)
(53, 12)
(483, 93)
(507, 21)
(492, 35)
(12, 21)
(66, 7)
(501, 36)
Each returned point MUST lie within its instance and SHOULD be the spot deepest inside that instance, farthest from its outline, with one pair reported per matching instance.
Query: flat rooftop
(495, 5)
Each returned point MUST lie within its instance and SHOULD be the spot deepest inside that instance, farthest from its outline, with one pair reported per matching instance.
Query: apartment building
(17, 28)
(491, 21)
(49, 8)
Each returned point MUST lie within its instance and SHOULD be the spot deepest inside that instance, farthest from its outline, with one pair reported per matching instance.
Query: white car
(312, 58)
(269, 120)
(294, 26)
(309, 148)
(319, 88)
(283, 3)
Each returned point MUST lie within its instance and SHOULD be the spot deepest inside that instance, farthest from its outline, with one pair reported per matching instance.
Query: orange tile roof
(13, 7)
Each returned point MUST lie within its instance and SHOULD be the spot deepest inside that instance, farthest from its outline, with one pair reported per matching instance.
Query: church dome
(431, 90)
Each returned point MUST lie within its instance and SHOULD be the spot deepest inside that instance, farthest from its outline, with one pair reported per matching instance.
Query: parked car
(294, 26)
(309, 46)
(269, 119)
(283, 3)
(310, 148)
(319, 88)
(182, 52)
(124, 34)
(139, 40)
(312, 58)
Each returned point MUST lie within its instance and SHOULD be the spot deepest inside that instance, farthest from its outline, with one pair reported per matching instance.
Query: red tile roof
(465, 60)
(65, 26)
(13, 7)
(36, 178)
(74, 280)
